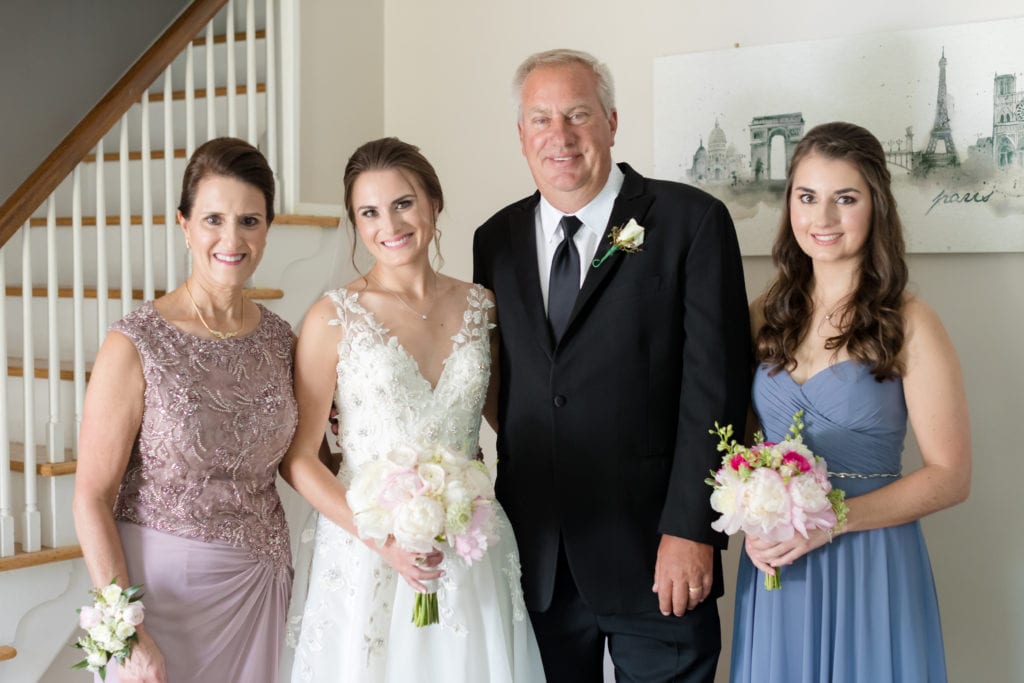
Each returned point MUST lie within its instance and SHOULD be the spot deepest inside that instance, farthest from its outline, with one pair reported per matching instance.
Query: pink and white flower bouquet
(774, 490)
(425, 496)
(110, 626)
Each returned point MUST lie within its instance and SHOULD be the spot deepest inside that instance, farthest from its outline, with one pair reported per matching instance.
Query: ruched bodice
(855, 422)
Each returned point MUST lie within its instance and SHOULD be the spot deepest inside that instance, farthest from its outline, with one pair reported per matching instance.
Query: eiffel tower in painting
(941, 131)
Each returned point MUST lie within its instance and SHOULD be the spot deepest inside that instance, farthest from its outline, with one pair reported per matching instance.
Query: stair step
(41, 369)
(134, 156)
(7, 652)
(21, 560)
(254, 293)
(200, 93)
(160, 219)
(222, 38)
(43, 468)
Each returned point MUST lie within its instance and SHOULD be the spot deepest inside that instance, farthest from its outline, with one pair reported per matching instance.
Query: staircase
(101, 239)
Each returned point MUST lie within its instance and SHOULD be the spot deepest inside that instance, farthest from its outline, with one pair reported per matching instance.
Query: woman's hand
(414, 567)
(767, 555)
(146, 664)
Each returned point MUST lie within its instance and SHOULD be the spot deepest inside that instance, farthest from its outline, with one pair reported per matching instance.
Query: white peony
(478, 480)
(725, 499)
(417, 523)
(766, 501)
(808, 494)
(405, 456)
(433, 477)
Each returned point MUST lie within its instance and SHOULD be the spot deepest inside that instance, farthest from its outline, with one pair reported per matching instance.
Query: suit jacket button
(559, 401)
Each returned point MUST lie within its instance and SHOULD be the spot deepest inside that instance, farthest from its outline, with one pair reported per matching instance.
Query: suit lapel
(522, 237)
(632, 202)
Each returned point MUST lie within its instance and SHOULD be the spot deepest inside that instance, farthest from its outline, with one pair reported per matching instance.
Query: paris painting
(946, 103)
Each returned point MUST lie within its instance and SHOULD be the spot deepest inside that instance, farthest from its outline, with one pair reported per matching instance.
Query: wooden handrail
(7, 652)
(80, 141)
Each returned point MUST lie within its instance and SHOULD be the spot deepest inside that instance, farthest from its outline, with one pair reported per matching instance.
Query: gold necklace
(216, 333)
(422, 316)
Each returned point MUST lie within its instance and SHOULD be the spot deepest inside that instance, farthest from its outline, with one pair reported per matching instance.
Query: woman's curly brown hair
(871, 325)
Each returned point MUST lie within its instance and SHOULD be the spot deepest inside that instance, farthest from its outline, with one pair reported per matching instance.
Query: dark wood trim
(80, 141)
(222, 38)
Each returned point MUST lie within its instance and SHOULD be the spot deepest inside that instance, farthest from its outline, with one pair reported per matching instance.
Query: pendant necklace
(216, 333)
(421, 316)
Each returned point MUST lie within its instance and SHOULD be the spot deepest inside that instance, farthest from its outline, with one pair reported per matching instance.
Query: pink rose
(89, 617)
(738, 461)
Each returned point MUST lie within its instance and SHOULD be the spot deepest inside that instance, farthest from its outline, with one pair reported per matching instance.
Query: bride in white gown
(406, 354)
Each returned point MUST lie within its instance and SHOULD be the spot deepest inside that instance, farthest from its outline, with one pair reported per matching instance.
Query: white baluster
(169, 177)
(78, 288)
(230, 47)
(271, 47)
(102, 284)
(126, 223)
(30, 541)
(250, 71)
(190, 101)
(6, 514)
(148, 287)
(211, 83)
(54, 429)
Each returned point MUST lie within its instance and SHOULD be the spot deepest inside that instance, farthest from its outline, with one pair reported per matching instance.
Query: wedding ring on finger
(419, 560)
(694, 590)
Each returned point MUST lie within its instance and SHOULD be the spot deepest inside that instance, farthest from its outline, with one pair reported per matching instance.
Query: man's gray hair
(560, 57)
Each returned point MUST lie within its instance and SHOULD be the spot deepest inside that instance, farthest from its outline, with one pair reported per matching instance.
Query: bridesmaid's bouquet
(110, 626)
(773, 490)
(423, 496)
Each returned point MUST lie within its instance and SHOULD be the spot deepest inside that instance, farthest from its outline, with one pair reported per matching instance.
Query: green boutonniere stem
(598, 261)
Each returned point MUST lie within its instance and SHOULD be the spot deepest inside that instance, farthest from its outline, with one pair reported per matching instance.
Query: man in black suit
(611, 377)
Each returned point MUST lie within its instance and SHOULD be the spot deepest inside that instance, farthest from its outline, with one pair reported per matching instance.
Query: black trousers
(645, 647)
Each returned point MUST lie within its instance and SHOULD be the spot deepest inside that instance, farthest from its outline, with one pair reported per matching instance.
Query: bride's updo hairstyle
(393, 154)
(871, 321)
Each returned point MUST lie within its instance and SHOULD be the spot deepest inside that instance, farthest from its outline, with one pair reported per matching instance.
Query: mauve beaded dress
(198, 512)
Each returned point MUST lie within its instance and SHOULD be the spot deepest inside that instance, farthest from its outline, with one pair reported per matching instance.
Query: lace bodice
(217, 419)
(383, 399)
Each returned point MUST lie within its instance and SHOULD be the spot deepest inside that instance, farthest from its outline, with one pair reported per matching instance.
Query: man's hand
(682, 574)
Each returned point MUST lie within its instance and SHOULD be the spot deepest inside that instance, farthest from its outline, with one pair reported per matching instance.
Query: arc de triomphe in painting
(763, 129)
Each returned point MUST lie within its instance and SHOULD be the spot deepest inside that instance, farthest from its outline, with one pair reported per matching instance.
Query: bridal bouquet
(423, 496)
(110, 626)
(773, 490)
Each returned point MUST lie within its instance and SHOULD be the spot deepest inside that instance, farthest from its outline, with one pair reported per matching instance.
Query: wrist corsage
(628, 238)
(110, 626)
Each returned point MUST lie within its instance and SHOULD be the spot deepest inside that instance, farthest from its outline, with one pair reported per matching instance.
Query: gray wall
(57, 60)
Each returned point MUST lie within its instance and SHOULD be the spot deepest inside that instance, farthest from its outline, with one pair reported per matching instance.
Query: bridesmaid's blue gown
(862, 609)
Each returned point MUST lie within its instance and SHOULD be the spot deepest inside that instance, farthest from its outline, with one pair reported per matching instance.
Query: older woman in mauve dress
(188, 413)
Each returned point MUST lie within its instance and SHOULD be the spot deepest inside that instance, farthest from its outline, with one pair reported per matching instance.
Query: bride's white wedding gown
(357, 622)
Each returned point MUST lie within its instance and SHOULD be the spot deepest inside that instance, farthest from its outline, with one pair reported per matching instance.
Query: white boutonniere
(628, 238)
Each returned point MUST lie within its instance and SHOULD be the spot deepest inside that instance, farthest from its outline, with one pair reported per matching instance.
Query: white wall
(446, 67)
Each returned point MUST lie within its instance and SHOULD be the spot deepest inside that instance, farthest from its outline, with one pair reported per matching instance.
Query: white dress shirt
(594, 217)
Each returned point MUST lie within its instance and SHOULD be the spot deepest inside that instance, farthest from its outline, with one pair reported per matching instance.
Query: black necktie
(564, 284)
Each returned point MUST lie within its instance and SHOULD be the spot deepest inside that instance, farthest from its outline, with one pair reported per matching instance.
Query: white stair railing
(161, 124)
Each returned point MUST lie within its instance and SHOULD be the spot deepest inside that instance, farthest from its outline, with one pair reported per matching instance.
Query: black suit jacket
(603, 438)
